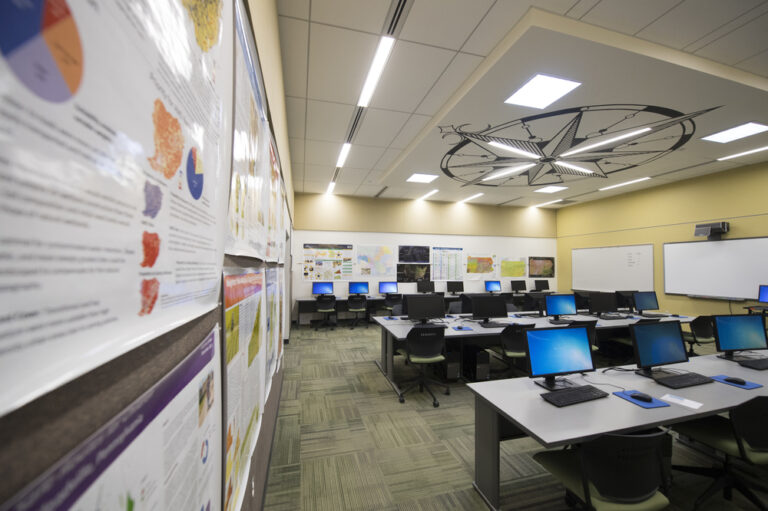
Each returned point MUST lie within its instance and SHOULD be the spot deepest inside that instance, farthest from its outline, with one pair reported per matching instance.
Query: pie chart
(41, 45)
(194, 174)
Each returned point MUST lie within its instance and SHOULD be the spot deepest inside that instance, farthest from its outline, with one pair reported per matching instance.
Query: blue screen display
(740, 332)
(560, 304)
(646, 301)
(553, 351)
(658, 343)
(358, 288)
(492, 285)
(322, 288)
(387, 287)
(762, 294)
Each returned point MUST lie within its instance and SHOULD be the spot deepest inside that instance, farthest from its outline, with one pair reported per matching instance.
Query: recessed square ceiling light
(541, 91)
(421, 178)
(551, 189)
(745, 130)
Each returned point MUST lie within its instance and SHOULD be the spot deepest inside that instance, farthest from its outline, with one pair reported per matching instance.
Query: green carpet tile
(344, 442)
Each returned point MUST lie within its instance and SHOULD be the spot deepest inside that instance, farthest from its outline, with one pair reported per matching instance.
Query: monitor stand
(552, 383)
(734, 358)
(654, 373)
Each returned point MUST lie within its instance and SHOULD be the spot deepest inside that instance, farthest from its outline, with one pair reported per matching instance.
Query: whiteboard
(612, 268)
(717, 269)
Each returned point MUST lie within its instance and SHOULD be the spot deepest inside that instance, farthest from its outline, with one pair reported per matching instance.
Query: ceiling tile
(318, 173)
(728, 26)
(740, 44)
(627, 16)
(386, 159)
(338, 63)
(410, 73)
(757, 64)
(368, 16)
(315, 186)
(458, 71)
(295, 8)
(363, 157)
(297, 171)
(294, 35)
(379, 127)
(443, 23)
(322, 153)
(367, 190)
(328, 121)
(297, 150)
(295, 109)
(372, 178)
(352, 176)
(580, 8)
(409, 131)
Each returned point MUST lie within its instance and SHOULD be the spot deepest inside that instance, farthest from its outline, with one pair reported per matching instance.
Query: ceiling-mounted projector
(713, 231)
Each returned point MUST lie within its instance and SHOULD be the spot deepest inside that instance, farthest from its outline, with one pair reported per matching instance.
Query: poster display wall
(328, 261)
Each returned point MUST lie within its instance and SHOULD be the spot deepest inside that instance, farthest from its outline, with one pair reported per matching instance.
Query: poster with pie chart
(40, 42)
(194, 174)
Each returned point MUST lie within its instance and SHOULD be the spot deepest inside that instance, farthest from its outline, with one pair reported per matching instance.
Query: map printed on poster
(273, 325)
(513, 267)
(376, 260)
(480, 267)
(248, 193)
(327, 262)
(447, 263)
(541, 267)
(275, 207)
(161, 452)
(115, 121)
(244, 358)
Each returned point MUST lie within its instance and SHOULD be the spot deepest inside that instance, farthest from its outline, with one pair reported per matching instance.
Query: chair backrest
(513, 337)
(397, 309)
(454, 307)
(325, 302)
(749, 422)
(356, 302)
(702, 327)
(393, 299)
(624, 468)
(426, 341)
(590, 324)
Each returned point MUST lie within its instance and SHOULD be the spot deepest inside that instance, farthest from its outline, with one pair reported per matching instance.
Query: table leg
(387, 364)
(487, 438)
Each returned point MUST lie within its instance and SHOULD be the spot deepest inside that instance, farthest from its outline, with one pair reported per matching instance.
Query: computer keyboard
(613, 315)
(653, 315)
(755, 363)
(492, 324)
(561, 321)
(573, 395)
(679, 381)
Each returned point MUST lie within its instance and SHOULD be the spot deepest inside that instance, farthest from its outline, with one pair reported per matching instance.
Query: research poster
(273, 324)
(115, 141)
(244, 362)
(323, 261)
(275, 207)
(480, 267)
(161, 452)
(447, 263)
(376, 261)
(513, 267)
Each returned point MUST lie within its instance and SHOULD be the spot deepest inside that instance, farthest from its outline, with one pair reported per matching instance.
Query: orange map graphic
(169, 143)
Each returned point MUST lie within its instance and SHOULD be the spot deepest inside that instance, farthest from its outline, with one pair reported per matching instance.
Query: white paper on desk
(681, 401)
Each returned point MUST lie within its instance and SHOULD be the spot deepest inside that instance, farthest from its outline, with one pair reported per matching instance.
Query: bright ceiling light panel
(606, 142)
(428, 195)
(743, 154)
(551, 189)
(508, 171)
(624, 183)
(541, 91)
(548, 203)
(377, 67)
(515, 150)
(331, 186)
(475, 196)
(573, 167)
(421, 178)
(745, 130)
(343, 155)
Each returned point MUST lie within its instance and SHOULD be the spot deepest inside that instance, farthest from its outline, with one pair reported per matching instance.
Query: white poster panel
(275, 206)
(447, 263)
(282, 334)
(328, 261)
(376, 261)
(161, 452)
(244, 338)
(273, 324)
(115, 122)
(480, 267)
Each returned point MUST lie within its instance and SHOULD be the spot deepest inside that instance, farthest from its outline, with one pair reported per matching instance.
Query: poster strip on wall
(161, 452)
(447, 263)
(375, 260)
(244, 362)
(327, 261)
(542, 267)
(480, 267)
(115, 136)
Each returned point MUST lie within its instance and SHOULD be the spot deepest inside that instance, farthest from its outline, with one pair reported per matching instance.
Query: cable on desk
(617, 369)
(583, 377)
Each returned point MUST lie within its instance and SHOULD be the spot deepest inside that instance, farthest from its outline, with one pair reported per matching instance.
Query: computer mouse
(675, 315)
(641, 396)
(733, 379)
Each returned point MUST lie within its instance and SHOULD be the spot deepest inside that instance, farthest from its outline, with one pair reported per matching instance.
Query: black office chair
(392, 299)
(591, 325)
(741, 436)
(511, 348)
(424, 345)
(702, 332)
(612, 472)
(358, 304)
(325, 304)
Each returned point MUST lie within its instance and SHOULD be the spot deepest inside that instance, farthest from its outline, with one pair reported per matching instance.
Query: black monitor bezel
(451, 286)
(598, 293)
(478, 300)
(410, 300)
(367, 286)
(494, 281)
(543, 282)
(634, 326)
(717, 334)
(552, 375)
(430, 285)
(387, 282)
(546, 306)
(654, 295)
(514, 285)
(317, 283)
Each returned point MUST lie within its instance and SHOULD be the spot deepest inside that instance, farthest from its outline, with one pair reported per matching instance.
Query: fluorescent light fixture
(541, 91)
(573, 167)
(509, 170)
(421, 178)
(743, 154)
(608, 141)
(475, 196)
(377, 67)
(551, 189)
(547, 203)
(515, 150)
(745, 130)
(343, 154)
(624, 183)
(427, 195)
(331, 186)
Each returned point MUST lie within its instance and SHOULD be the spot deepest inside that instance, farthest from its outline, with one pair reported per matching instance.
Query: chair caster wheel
(435, 404)
(401, 399)
(448, 392)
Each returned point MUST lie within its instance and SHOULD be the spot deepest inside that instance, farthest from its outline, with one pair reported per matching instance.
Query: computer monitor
(739, 332)
(424, 307)
(322, 288)
(492, 286)
(657, 344)
(387, 287)
(624, 299)
(541, 285)
(602, 302)
(425, 286)
(358, 288)
(455, 286)
(517, 285)
(555, 352)
(486, 307)
(762, 293)
(558, 305)
(645, 301)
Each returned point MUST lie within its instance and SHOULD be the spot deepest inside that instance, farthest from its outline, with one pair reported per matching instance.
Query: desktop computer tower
(476, 364)
(451, 366)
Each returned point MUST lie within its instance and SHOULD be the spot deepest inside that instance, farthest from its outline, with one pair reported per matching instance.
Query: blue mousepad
(462, 328)
(748, 385)
(653, 404)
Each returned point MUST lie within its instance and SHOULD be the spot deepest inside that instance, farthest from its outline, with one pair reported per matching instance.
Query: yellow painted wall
(668, 214)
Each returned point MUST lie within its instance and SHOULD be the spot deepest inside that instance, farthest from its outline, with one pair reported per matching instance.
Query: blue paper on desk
(748, 385)
(653, 404)
(462, 328)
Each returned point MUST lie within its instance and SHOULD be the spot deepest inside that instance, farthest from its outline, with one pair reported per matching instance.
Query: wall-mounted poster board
(613, 268)
(716, 269)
